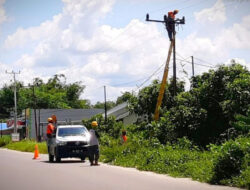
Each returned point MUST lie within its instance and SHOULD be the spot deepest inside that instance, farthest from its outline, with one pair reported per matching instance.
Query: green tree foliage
(205, 113)
(146, 101)
(101, 105)
(110, 127)
(242, 123)
(6, 101)
(53, 94)
(125, 97)
(222, 93)
(232, 162)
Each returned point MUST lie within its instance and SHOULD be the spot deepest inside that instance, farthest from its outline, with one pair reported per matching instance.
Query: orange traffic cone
(36, 152)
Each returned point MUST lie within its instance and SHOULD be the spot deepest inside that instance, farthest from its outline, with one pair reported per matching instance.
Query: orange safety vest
(50, 128)
(171, 15)
(124, 137)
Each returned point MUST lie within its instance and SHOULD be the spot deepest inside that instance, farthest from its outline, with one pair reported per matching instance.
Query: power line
(197, 63)
(201, 60)
(150, 76)
(121, 84)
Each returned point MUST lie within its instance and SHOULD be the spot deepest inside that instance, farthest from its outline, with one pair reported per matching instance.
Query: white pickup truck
(69, 141)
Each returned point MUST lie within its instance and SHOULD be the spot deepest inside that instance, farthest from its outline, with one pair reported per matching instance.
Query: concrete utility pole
(168, 21)
(105, 105)
(15, 109)
(192, 64)
(1, 129)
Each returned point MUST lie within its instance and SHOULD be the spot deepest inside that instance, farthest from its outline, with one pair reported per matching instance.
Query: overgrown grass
(5, 139)
(27, 146)
(177, 161)
(183, 160)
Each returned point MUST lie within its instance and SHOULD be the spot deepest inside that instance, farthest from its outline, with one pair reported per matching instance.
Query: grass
(4, 140)
(182, 161)
(194, 164)
(25, 146)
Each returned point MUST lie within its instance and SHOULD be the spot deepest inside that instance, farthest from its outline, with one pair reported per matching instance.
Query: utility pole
(105, 105)
(34, 107)
(1, 129)
(15, 109)
(174, 63)
(170, 22)
(192, 57)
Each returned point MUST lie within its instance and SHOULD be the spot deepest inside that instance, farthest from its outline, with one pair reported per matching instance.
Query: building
(64, 116)
(122, 113)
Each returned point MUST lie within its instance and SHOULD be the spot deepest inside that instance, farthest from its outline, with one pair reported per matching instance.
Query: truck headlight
(60, 143)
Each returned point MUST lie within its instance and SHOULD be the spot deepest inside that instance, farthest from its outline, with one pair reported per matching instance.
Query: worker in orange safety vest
(170, 23)
(50, 132)
(124, 136)
(50, 128)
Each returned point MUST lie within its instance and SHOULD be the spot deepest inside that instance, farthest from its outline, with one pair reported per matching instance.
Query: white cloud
(237, 36)
(215, 14)
(3, 16)
(75, 44)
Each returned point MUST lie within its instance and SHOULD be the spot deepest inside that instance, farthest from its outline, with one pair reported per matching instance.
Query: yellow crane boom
(163, 82)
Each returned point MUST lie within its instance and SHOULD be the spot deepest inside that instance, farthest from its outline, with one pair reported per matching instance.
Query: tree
(100, 105)
(6, 101)
(125, 97)
(205, 113)
(242, 123)
(146, 101)
(53, 94)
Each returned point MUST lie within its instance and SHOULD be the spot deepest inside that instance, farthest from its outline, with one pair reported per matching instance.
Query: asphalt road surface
(20, 172)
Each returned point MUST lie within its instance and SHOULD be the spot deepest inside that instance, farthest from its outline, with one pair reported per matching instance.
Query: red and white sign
(20, 123)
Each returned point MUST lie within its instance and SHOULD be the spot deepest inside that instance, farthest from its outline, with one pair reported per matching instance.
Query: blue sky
(108, 42)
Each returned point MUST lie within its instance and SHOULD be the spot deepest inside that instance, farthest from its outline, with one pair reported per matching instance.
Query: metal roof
(66, 114)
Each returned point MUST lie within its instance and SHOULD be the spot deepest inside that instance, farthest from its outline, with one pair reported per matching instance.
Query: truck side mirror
(147, 17)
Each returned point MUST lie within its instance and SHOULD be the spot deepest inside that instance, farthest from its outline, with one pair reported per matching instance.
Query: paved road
(20, 172)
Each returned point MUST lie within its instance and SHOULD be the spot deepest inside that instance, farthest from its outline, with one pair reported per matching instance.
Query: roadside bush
(232, 162)
(4, 140)
(181, 160)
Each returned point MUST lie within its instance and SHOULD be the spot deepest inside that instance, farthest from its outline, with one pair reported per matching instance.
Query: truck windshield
(71, 131)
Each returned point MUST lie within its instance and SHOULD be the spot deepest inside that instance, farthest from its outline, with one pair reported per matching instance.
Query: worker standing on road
(50, 132)
(170, 23)
(94, 145)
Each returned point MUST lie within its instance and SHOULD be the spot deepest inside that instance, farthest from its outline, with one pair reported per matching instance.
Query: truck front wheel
(58, 159)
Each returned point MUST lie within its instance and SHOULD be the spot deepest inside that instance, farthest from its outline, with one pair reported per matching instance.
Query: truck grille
(76, 143)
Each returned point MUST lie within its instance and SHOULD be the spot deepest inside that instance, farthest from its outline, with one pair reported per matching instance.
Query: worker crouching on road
(170, 23)
(94, 145)
(50, 132)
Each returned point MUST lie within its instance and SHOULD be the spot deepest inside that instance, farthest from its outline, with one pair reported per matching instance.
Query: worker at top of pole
(170, 23)
(172, 14)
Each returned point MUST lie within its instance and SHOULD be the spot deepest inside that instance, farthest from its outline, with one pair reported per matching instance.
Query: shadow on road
(64, 162)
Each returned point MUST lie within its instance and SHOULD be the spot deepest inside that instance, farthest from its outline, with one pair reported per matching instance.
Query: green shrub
(232, 162)
(4, 140)
(150, 155)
